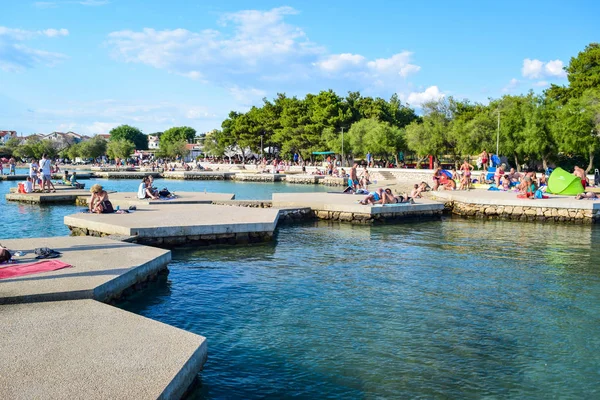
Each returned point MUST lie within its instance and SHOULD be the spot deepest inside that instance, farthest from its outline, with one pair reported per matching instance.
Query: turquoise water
(426, 310)
(442, 309)
(24, 220)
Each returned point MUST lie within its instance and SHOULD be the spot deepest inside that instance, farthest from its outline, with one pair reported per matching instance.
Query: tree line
(123, 141)
(562, 123)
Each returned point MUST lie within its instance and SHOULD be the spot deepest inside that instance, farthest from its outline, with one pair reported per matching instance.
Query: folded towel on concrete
(33, 268)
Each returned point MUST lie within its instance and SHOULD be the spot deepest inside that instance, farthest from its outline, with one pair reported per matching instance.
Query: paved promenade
(102, 269)
(180, 224)
(84, 349)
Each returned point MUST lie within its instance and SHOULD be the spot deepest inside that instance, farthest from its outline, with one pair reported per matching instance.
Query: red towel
(33, 268)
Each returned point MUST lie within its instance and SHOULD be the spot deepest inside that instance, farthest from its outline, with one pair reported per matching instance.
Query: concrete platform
(199, 175)
(491, 204)
(61, 196)
(23, 177)
(124, 174)
(88, 350)
(126, 199)
(102, 269)
(345, 207)
(181, 224)
(58, 187)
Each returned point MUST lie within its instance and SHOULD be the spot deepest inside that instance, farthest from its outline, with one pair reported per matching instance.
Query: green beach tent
(562, 182)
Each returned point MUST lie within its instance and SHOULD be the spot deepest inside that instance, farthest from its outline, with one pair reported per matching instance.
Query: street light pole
(261, 146)
(343, 147)
(498, 135)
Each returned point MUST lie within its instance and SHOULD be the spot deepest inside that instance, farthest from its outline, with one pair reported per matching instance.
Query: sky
(90, 65)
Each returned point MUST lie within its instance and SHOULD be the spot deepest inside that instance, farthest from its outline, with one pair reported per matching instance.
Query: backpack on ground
(5, 255)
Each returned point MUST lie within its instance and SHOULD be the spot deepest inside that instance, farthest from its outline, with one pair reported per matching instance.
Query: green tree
(583, 73)
(178, 134)
(432, 135)
(131, 134)
(578, 124)
(172, 150)
(120, 149)
(36, 148)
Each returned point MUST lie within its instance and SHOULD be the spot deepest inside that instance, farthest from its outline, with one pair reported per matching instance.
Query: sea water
(443, 309)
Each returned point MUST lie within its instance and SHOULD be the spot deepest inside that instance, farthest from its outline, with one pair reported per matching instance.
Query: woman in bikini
(465, 182)
(99, 202)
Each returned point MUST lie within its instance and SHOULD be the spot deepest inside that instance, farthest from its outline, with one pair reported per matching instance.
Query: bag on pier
(5, 255)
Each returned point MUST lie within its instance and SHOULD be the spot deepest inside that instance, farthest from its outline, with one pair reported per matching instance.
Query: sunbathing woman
(99, 202)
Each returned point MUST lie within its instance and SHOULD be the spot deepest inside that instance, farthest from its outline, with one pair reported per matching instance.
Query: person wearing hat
(99, 202)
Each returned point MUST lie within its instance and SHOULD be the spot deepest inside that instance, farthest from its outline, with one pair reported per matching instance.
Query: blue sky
(90, 65)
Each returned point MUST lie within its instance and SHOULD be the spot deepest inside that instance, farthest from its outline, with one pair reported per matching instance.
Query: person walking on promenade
(12, 163)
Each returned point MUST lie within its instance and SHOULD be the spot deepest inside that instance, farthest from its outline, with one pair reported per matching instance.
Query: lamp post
(343, 164)
(261, 146)
(498, 135)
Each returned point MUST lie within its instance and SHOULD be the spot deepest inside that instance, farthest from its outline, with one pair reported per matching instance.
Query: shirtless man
(354, 176)
(580, 173)
(514, 176)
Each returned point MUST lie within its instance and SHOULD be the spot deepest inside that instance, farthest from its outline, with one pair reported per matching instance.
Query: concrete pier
(84, 349)
(64, 196)
(199, 175)
(181, 224)
(102, 269)
(505, 205)
(345, 207)
(127, 199)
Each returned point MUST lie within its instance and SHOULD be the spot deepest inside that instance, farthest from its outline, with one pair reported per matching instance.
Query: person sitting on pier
(416, 192)
(365, 179)
(505, 183)
(514, 176)
(73, 181)
(145, 190)
(437, 176)
(99, 202)
(28, 185)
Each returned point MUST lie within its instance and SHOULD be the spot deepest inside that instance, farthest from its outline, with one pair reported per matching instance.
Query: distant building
(153, 142)
(5, 136)
(196, 150)
(104, 136)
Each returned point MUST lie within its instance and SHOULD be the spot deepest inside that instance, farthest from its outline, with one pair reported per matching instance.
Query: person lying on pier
(99, 202)
(145, 190)
(586, 196)
(381, 196)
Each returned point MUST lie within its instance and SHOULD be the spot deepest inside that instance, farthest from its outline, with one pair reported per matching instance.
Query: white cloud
(555, 68)
(541, 84)
(337, 62)
(257, 42)
(15, 56)
(432, 93)
(396, 64)
(514, 82)
(55, 32)
(536, 69)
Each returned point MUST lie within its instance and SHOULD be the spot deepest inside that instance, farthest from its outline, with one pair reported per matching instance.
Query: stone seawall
(524, 213)
(361, 218)
(305, 179)
(259, 177)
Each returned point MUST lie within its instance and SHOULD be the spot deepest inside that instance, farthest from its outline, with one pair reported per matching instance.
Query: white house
(153, 142)
(5, 136)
